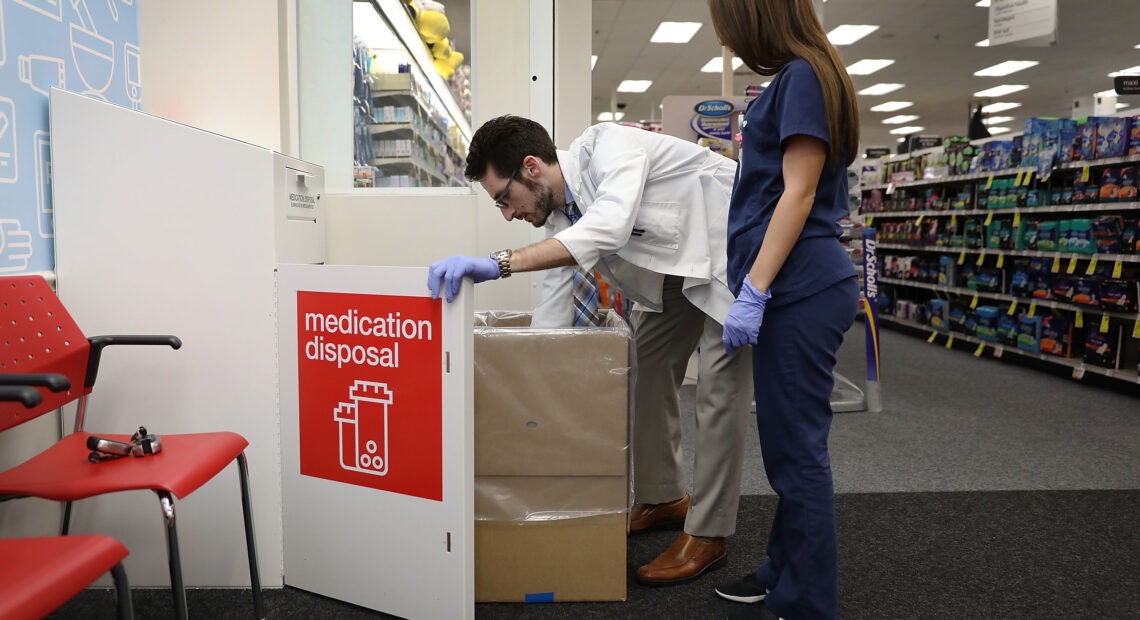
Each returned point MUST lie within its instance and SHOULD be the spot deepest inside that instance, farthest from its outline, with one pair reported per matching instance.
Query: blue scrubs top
(791, 105)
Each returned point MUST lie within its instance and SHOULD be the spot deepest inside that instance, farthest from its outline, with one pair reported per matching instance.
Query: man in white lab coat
(649, 212)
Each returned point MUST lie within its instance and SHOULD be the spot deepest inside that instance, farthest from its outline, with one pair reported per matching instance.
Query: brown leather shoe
(685, 560)
(645, 517)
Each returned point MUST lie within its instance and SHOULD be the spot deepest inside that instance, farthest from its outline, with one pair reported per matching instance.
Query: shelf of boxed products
(452, 142)
(421, 168)
(1007, 172)
(1108, 258)
(1027, 301)
(998, 350)
(1074, 208)
(432, 143)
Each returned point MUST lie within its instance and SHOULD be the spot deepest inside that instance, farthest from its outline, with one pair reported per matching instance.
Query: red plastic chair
(38, 575)
(37, 335)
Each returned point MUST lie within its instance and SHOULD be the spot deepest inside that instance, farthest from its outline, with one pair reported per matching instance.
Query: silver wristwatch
(503, 258)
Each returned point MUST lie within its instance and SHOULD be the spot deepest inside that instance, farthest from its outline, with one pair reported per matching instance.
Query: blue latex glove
(744, 319)
(452, 269)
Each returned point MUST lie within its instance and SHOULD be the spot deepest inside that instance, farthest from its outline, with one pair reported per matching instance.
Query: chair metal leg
(65, 525)
(175, 559)
(250, 544)
(126, 609)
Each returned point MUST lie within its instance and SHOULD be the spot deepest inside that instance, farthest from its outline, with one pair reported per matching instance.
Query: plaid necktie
(584, 285)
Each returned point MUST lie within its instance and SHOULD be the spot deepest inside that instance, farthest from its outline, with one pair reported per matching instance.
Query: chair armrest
(21, 393)
(52, 381)
(98, 343)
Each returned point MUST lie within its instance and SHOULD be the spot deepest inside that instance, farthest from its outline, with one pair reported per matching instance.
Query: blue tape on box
(539, 597)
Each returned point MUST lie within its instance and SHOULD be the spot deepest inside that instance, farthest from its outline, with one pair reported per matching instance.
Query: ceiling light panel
(983, 3)
(1000, 106)
(996, 130)
(902, 131)
(716, 65)
(1129, 71)
(849, 33)
(900, 119)
(892, 106)
(610, 116)
(593, 61)
(867, 66)
(982, 43)
(634, 86)
(881, 89)
(1006, 68)
(675, 32)
(1001, 91)
(996, 120)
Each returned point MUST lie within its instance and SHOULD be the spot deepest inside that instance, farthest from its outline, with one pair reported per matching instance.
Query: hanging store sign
(1029, 22)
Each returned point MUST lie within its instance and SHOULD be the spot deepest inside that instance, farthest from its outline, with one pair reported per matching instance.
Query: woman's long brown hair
(768, 34)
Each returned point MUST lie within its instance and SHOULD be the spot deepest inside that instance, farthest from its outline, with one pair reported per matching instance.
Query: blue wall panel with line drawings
(84, 46)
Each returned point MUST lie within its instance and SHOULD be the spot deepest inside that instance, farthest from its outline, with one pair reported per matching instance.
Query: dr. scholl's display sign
(369, 374)
(713, 119)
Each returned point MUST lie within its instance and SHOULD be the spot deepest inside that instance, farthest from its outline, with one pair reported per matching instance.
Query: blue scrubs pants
(793, 364)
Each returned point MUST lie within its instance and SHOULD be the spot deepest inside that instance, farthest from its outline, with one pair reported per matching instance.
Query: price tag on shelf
(1079, 320)
(1085, 174)
(870, 221)
(1118, 269)
(933, 335)
(990, 182)
(1016, 219)
(1013, 307)
(998, 352)
(1092, 267)
(919, 220)
(1079, 372)
(1017, 182)
(1056, 264)
(978, 351)
(890, 188)
(974, 302)
(1104, 324)
(981, 258)
(1032, 309)
(962, 258)
(1136, 329)
(950, 342)
(953, 221)
(1001, 261)
(989, 219)
(1072, 265)
(1028, 178)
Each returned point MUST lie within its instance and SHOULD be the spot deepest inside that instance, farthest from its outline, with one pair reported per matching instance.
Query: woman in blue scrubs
(796, 287)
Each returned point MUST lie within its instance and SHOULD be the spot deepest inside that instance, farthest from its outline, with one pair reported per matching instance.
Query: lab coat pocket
(658, 224)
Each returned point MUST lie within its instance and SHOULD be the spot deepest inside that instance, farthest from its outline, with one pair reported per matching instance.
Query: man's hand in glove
(452, 269)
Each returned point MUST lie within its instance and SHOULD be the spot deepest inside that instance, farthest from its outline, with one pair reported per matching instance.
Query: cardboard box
(551, 460)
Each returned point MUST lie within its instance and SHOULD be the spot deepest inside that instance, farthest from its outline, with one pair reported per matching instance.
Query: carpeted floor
(1008, 554)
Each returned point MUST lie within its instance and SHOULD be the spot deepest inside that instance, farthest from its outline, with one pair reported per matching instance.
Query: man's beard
(543, 201)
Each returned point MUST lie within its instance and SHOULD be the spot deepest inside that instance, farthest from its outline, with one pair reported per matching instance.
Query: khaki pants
(664, 342)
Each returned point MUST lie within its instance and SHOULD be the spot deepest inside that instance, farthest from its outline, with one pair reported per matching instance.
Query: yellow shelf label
(1072, 268)
(1092, 267)
(978, 351)
(981, 259)
(1085, 174)
(870, 221)
(974, 302)
(1001, 261)
(953, 221)
(1017, 182)
(1104, 324)
(1028, 177)
(990, 182)
(1118, 269)
(1032, 310)
(1079, 320)
(989, 219)
(1136, 329)
(1056, 264)
(1016, 219)
(1012, 307)
(919, 220)
(950, 342)
(933, 335)
(962, 258)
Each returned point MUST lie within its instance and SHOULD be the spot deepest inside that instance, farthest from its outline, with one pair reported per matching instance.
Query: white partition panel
(377, 439)
(164, 228)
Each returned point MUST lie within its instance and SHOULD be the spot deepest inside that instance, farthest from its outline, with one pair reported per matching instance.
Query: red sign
(369, 374)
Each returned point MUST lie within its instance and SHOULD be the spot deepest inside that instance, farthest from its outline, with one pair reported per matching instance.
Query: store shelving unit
(1059, 263)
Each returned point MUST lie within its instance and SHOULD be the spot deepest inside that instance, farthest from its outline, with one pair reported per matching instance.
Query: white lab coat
(652, 205)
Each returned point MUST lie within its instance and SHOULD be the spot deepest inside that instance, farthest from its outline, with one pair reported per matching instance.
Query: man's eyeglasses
(499, 200)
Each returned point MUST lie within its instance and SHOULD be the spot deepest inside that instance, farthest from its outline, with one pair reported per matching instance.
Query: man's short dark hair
(503, 142)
